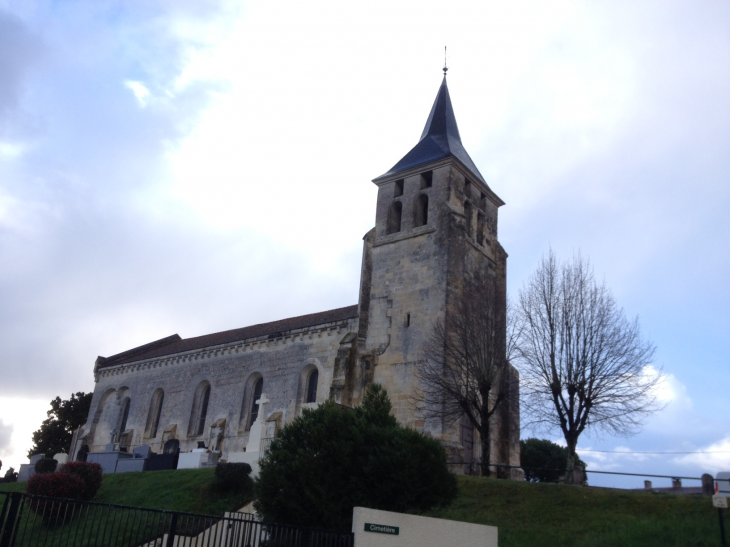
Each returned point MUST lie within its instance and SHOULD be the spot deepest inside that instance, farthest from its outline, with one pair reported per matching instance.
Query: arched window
(203, 411)
(199, 412)
(420, 216)
(312, 382)
(153, 417)
(469, 214)
(394, 218)
(480, 228)
(257, 390)
(123, 417)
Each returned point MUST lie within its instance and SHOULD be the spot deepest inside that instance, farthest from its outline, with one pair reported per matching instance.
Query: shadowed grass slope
(186, 490)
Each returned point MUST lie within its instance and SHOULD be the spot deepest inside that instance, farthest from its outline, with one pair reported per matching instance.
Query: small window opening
(257, 389)
(312, 386)
(483, 202)
(394, 218)
(467, 189)
(469, 214)
(426, 179)
(480, 229)
(408, 320)
(398, 191)
(420, 217)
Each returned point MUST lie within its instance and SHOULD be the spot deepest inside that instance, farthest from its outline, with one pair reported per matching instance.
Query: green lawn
(527, 514)
(187, 490)
(536, 515)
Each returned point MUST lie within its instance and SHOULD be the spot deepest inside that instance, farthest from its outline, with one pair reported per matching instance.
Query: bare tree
(464, 370)
(583, 364)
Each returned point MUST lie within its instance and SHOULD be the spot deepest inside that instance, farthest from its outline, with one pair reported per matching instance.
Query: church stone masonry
(435, 225)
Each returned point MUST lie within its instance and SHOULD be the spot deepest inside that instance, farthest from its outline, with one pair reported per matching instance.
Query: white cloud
(6, 431)
(716, 456)
(11, 150)
(140, 91)
(20, 417)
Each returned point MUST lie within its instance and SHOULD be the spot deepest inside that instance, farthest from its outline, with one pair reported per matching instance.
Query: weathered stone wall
(416, 273)
(408, 287)
(410, 277)
(280, 361)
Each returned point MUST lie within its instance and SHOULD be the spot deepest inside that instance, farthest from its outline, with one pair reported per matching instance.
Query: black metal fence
(39, 521)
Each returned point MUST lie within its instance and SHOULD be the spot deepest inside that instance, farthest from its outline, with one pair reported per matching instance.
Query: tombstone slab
(107, 459)
(26, 471)
(196, 459)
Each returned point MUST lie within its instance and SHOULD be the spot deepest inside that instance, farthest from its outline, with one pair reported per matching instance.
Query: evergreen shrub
(89, 473)
(10, 476)
(46, 465)
(234, 477)
(543, 460)
(331, 459)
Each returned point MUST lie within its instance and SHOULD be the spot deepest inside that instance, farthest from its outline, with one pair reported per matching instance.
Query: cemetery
(528, 514)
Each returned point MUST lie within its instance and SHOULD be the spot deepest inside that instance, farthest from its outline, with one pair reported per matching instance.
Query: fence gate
(38, 521)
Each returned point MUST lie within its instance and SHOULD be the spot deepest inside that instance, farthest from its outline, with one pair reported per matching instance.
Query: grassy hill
(187, 490)
(536, 515)
(527, 514)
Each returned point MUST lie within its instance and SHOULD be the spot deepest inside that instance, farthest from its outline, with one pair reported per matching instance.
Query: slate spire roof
(440, 139)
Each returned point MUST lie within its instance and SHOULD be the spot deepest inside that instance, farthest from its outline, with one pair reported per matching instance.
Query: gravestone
(708, 484)
(27, 470)
(198, 458)
(61, 458)
(167, 460)
(142, 451)
(108, 458)
(138, 462)
(171, 447)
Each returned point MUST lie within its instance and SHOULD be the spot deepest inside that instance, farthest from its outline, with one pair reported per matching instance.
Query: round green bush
(332, 459)
(543, 460)
(234, 477)
(46, 465)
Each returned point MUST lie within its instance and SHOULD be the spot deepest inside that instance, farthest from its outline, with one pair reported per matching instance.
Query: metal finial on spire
(446, 68)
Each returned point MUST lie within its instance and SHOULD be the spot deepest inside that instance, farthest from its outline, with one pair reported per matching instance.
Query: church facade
(435, 226)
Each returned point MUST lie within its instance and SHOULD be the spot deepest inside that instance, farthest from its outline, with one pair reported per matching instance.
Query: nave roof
(175, 344)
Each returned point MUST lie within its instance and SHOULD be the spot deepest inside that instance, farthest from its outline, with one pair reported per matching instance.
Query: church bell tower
(435, 224)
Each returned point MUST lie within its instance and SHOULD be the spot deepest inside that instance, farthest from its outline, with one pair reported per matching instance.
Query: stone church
(435, 224)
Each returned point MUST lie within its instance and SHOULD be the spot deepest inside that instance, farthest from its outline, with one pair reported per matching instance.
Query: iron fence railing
(37, 521)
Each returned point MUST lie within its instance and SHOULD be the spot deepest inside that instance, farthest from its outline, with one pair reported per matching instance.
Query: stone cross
(261, 402)
(216, 432)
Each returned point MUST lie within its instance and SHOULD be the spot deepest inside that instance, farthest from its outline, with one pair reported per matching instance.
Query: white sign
(719, 501)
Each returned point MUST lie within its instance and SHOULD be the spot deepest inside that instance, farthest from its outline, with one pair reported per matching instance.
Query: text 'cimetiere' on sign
(382, 529)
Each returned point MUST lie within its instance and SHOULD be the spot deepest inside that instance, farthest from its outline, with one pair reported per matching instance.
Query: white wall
(415, 531)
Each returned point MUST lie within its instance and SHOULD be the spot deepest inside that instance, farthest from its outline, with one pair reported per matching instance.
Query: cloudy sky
(193, 166)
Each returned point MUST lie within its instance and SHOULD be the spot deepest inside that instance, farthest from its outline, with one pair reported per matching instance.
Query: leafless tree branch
(463, 372)
(583, 364)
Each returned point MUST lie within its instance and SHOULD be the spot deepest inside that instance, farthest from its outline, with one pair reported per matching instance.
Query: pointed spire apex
(440, 138)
